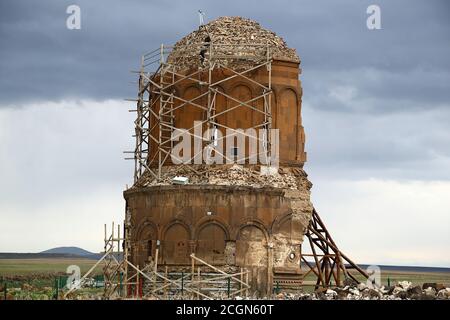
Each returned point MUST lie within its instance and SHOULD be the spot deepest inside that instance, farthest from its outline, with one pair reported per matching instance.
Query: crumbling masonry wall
(230, 73)
(241, 220)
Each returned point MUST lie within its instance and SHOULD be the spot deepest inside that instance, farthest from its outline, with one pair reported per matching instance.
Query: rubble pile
(404, 290)
(230, 175)
(229, 36)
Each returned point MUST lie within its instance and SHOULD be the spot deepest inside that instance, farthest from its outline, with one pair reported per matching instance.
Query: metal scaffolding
(158, 100)
(329, 263)
(157, 103)
(124, 280)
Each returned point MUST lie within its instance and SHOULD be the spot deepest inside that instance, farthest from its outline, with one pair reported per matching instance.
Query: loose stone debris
(237, 36)
(404, 290)
(231, 175)
(291, 181)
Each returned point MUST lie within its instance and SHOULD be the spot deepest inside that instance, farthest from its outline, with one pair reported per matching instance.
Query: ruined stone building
(230, 73)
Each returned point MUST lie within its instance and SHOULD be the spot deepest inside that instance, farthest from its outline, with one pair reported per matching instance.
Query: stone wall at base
(258, 228)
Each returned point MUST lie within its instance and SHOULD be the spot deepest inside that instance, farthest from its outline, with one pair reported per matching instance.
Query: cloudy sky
(376, 110)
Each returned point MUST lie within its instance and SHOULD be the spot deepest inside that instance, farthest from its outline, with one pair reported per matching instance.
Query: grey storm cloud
(42, 60)
(390, 146)
(375, 108)
(368, 95)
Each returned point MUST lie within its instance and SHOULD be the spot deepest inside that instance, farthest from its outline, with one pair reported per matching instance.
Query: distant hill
(54, 253)
(68, 250)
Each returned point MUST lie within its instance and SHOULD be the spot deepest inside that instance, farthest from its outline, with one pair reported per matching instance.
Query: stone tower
(230, 74)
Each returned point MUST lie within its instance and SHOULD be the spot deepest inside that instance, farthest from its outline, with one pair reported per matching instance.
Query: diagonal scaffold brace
(329, 263)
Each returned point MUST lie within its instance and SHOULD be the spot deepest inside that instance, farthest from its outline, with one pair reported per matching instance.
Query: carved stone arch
(177, 221)
(182, 89)
(187, 114)
(251, 244)
(240, 117)
(211, 220)
(251, 222)
(279, 221)
(211, 240)
(290, 88)
(176, 240)
(252, 253)
(145, 238)
(288, 121)
(237, 117)
(146, 224)
(241, 82)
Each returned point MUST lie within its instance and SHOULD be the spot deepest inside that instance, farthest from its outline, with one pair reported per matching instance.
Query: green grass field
(22, 267)
(36, 267)
(35, 278)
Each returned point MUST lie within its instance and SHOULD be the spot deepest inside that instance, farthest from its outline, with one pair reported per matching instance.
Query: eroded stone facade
(260, 229)
(233, 216)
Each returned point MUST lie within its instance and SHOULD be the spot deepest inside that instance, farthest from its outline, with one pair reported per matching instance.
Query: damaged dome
(241, 38)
